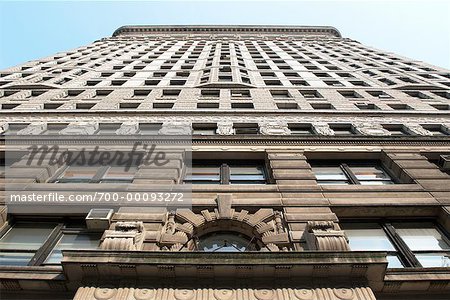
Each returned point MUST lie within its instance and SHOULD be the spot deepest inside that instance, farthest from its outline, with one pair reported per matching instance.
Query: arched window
(225, 242)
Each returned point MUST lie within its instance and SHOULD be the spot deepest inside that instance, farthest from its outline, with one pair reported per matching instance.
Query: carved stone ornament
(128, 128)
(371, 129)
(169, 293)
(125, 236)
(33, 129)
(176, 128)
(326, 235)
(80, 128)
(182, 225)
(4, 127)
(274, 128)
(323, 128)
(225, 128)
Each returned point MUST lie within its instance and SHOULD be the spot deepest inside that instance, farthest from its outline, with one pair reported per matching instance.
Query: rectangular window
(300, 129)
(395, 129)
(409, 244)
(31, 243)
(204, 128)
(350, 172)
(81, 172)
(246, 128)
(227, 172)
(72, 241)
(322, 106)
(242, 105)
(20, 243)
(342, 129)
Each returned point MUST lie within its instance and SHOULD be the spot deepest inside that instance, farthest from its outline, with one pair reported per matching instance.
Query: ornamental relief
(340, 293)
(227, 119)
(183, 227)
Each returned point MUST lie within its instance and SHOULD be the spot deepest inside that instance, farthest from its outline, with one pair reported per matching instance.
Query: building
(320, 168)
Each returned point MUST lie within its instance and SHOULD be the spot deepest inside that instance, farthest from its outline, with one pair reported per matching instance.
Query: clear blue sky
(416, 29)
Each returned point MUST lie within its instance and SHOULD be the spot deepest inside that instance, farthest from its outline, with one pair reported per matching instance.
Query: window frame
(349, 174)
(97, 178)
(225, 173)
(48, 245)
(406, 255)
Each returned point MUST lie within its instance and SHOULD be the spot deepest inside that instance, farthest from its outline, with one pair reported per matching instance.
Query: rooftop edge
(207, 29)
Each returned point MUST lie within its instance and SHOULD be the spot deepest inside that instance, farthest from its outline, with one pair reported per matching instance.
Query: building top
(224, 29)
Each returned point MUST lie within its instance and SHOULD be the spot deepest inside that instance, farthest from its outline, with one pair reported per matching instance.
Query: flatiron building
(318, 168)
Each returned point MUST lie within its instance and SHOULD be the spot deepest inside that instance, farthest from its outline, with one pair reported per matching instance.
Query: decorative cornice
(226, 29)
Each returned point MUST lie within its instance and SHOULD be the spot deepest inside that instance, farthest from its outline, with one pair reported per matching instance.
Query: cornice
(226, 29)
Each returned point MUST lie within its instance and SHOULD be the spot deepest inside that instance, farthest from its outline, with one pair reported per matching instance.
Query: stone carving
(33, 129)
(417, 129)
(326, 235)
(225, 128)
(168, 293)
(3, 127)
(371, 129)
(80, 128)
(322, 128)
(182, 226)
(125, 236)
(3, 215)
(274, 128)
(128, 128)
(176, 128)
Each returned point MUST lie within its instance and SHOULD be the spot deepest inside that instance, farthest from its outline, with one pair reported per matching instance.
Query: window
(129, 105)
(207, 105)
(204, 129)
(72, 241)
(52, 105)
(310, 94)
(19, 245)
(158, 105)
(300, 129)
(246, 128)
(371, 237)
(350, 94)
(141, 93)
(210, 93)
(322, 106)
(379, 94)
(400, 106)
(226, 172)
(240, 93)
(287, 105)
(395, 129)
(31, 244)
(409, 244)
(342, 129)
(350, 172)
(171, 93)
(108, 128)
(80, 172)
(84, 105)
(225, 242)
(436, 129)
(441, 106)
(283, 94)
(366, 106)
(242, 105)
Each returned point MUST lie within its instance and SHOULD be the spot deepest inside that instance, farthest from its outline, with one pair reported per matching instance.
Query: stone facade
(283, 96)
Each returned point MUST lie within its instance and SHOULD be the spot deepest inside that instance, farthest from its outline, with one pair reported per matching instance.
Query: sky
(416, 29)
